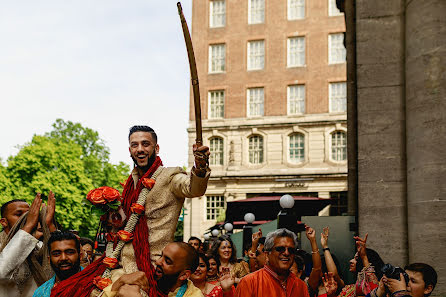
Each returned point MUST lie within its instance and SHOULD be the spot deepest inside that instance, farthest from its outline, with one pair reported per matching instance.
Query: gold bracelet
(315, 252)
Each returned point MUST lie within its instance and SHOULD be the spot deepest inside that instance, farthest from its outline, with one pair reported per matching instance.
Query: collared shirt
(265, 282)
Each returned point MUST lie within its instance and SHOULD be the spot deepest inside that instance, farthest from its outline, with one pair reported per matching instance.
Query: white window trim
(248, 110)
(223, 150)
(210, 58)
(328, 133)
(289, 52)
(210, 117)
(245, 145)
(211, 16)
(205, 206)
(330, 38)
(289, 16)
(330, 100)
(250, 67)
(250, 21)
(330, 3)
(289, 99)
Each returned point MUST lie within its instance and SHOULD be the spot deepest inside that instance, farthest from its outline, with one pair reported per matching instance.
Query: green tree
(95, 154)
(70, 160)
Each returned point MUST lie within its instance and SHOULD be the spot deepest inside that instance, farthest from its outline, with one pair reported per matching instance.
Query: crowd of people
(141, 259)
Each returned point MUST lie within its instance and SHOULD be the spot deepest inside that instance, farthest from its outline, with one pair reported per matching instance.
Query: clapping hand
(51, 210)
(33, 215)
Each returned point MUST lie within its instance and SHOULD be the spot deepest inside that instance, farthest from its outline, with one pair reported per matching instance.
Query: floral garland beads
(102, 282)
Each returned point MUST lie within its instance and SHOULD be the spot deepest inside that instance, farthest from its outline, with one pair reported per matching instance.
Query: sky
(107, 64)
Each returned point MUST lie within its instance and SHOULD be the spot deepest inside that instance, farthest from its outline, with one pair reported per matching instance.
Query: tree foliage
(70, 161)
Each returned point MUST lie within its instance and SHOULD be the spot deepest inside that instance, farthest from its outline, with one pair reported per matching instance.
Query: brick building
(272, 81)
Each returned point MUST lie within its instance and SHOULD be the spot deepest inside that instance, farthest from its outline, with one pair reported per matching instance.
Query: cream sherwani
(163, 207)
(11, 259)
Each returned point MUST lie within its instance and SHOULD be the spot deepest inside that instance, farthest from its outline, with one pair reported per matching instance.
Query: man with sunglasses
(275, 279)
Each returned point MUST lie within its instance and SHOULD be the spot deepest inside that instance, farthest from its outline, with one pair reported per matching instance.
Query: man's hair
(85, 240)
(269, 241)
(5, 205)
(191, 259)
(428, 272)
(195, 238)
(64, 235)
(262, 240)
(143, 129)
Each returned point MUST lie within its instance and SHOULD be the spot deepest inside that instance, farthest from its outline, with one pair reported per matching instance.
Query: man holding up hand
(16, 277)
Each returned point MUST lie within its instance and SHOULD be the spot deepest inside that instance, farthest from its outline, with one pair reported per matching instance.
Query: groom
(162, 209)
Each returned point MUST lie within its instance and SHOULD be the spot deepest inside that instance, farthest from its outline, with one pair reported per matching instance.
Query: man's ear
(184, 275)
(157, 149)
(4, 222)
(428, 289)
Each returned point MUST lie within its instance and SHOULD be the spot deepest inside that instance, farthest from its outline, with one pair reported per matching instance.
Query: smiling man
(275, 279)
(64, 251)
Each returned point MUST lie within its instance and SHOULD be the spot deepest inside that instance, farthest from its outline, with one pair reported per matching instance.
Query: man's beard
(150, 162)
(64, 274)
(166, 282)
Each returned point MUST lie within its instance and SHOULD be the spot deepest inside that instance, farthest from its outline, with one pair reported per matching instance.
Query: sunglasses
(258, 252)
(282, 249)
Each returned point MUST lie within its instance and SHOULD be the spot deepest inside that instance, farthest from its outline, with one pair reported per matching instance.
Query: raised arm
(252, 252)
(331, 266)
(315, 274)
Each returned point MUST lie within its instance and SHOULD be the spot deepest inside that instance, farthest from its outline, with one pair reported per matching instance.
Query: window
(338, 146)
(296, 51)
(216, 58)
(217, 13)
(339, 203)
(256, 12)
(296, 99)
(296, 9)
(255, 102)
(216, 150)
(338, 97)
(215, 205)
(297, 148)
(255, 149)
(336, 49)
(216, 104)
(256, 55)
(332, 9)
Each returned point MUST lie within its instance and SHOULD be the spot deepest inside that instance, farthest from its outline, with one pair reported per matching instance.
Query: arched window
(338, 146)
(297, 148)
(216, 150)
(255, 149)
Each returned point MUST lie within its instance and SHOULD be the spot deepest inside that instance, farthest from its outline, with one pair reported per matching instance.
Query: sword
(193, 76)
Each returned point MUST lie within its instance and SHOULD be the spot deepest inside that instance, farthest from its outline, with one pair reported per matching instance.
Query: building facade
(273, 88)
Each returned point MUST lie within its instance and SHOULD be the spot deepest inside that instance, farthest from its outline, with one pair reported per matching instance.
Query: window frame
(210, 105)
(250, 13)
(210, 60)
(331, 49)
(336, 131)
(331, 98)
(289, 16)
(214, 152)
(289, 53)
(303, 142)
(248, 103)
(212, 17)
(252, 66)
(210, 215)
(261, 150)
(289, 99)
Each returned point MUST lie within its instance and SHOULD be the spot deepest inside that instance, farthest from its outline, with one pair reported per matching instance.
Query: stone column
(381, 127)
(426, 134)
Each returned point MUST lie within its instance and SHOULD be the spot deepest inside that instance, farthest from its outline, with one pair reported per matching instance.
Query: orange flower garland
(101, 282)
(148, 182)
(137, 208)
(110, 262)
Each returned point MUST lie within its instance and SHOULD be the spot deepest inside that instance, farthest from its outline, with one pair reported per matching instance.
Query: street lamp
(229, 227)
(206, 236)
(287, 218)
(215, 232)
(247, 229)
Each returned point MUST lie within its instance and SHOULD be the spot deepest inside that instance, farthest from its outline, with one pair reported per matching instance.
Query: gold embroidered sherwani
(163, 207)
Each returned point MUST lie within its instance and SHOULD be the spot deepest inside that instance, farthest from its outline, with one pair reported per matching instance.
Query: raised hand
(49, 219)
(33, 215)
(257, 235)
(330, 284)
(311, 234)
(361, 245)
(324, 237)
(226, 281)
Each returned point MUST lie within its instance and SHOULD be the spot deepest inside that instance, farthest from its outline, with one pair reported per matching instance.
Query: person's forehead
(174, 252)
(415, 275)
(141, 136)
(225, 243)
(194, 241)
(63, 245)
(19, 205)
(87, 246)
(283, 241)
